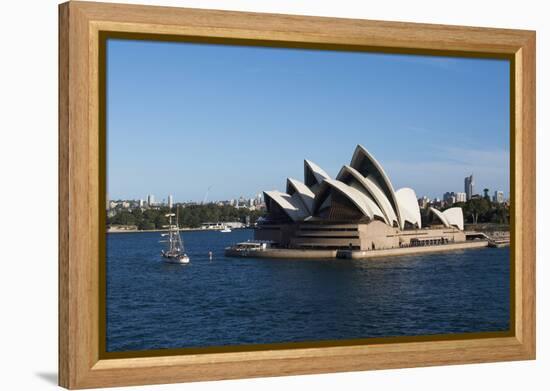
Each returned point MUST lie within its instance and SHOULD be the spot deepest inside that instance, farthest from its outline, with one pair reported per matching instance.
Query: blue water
(233, 301)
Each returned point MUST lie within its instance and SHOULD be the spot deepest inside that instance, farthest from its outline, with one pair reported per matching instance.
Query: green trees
(145, 224)
(501, 215)
(482, 210)
(476, 207)
(124, 218)
(476, 211)
(191, 216)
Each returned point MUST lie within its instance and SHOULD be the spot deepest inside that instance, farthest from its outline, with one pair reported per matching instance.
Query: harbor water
(241, 301)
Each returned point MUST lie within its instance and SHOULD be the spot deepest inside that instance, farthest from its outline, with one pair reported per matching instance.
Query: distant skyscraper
(449, 197)
(460, 197)
(259, 199)
(469, 186)
(150, 200)
(141, 203)
(170, 201)
(498, 197)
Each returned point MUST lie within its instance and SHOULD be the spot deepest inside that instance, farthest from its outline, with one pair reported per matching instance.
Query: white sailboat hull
(175, 252)
(179, 259)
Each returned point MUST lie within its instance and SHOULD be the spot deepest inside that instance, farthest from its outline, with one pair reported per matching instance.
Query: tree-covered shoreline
(190, 216)
(476, 211)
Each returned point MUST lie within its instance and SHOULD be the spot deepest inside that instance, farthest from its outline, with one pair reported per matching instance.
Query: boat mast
(170, 233)
(177, 231)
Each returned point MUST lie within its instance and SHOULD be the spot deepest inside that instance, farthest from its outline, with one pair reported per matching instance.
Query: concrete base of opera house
(320, 254)
(358, 254)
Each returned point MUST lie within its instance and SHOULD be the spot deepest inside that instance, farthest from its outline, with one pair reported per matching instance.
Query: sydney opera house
(357, 210)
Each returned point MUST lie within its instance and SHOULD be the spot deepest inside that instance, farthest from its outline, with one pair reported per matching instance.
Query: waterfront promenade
(289, 253)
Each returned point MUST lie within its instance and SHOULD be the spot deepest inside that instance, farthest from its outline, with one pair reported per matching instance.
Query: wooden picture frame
(82, 364)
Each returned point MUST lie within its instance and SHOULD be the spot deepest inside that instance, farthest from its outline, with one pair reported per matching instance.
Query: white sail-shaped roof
(292, 206)
(294, 186)
(313, 174)
(455, 217)
(360, 189)
(441, 217)
(408, 207)
(363, 203)
(367, 166)
(450, 217)
(372, 189)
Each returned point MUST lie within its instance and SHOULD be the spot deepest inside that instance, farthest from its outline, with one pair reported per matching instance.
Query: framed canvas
(337, 272)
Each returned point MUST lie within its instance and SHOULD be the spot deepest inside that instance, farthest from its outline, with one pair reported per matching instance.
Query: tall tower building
(150, 200)
(469, 186)
(170, 201)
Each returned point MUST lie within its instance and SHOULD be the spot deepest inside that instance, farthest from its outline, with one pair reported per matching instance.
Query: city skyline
(462, 196)
(167, 200)
(185, 118)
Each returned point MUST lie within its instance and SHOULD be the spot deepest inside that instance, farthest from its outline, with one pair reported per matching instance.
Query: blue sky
(185, 117)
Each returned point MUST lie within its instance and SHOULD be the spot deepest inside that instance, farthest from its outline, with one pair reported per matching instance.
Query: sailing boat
(175, 252)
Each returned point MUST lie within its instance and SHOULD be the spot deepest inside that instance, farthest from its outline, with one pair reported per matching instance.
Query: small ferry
(225, 229)
(247, 248)
(175, 253)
